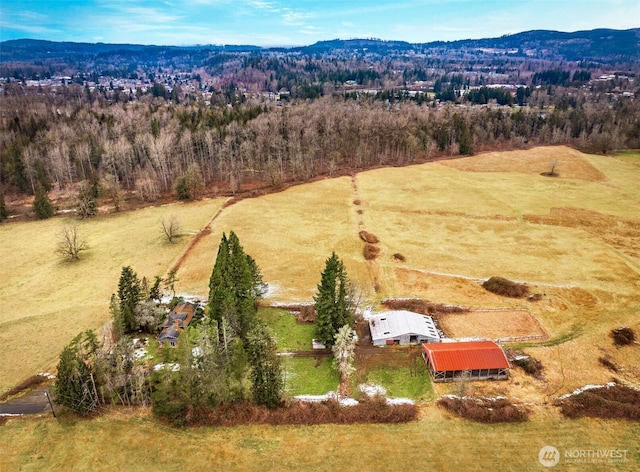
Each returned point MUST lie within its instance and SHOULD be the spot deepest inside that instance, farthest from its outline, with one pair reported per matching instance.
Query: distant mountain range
(602, 45)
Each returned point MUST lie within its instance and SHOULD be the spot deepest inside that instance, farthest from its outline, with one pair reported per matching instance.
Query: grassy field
(571, 238)
(135, 442)
(46, 301)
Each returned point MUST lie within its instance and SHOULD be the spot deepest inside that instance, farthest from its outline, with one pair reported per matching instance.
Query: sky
(301, 22)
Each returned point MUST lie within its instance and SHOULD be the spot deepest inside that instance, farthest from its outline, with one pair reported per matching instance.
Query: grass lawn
(403, 382)
(289, 334)
(310, 375)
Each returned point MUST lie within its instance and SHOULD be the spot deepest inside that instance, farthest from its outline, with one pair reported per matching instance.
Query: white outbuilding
(402, 327)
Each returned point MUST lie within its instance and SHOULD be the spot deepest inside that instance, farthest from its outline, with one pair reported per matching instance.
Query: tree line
(153, 147)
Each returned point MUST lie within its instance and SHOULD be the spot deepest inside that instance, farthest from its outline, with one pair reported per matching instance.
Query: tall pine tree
(331, 304)
(75, 385)
(235, 286)
(129, 294)
(267, 383)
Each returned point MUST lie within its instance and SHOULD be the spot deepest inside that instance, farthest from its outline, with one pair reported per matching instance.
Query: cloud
(30, 29)
(270, 7)
(293, 18)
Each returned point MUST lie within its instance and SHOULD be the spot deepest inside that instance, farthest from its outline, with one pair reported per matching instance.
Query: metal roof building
(402, 327)
(471, 360)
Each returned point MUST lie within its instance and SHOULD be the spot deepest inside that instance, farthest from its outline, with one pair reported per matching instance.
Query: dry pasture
(46, 301)
(497, 324)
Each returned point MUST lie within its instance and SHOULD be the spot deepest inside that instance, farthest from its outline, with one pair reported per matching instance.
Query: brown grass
(31, 382)
(570, 164)
(491, 324)
(485, 410)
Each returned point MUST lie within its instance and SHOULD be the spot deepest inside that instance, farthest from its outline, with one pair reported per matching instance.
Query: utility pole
(46, 394)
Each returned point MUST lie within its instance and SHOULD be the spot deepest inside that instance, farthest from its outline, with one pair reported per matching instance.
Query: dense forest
(238, 119)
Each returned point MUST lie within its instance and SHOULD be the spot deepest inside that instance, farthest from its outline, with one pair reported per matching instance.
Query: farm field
(573, 239)
(46, 301)
(135, 441)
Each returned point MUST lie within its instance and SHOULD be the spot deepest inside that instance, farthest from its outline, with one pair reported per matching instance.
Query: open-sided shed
(471, 360)
(402, 327)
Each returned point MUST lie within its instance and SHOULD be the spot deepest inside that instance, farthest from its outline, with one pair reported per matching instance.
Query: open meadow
(46, 301)
(134, 441)
(443, 228)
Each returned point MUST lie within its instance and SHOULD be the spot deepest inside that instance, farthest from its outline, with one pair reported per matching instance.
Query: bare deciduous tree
(71, 242)
(344, 353)
(170, 228)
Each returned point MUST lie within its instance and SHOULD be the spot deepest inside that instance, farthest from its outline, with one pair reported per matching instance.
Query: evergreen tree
(4, 213)
(42, 206)
(331, 304)
(267, 382)
(75, 385)
(129, 294)
(235, 286)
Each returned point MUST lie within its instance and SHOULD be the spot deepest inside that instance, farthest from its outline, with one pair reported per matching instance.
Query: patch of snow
(344, 401)
(400, 401)
(372, 390)
(585, 388)
(461, 340)
(139, 353)
(47, 375)
(172, 366)
(196, 352)
(458, 397)
(315, 344)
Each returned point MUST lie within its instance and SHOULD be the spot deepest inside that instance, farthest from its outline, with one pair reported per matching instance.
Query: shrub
(42, 206)
(623, 336)
(399, 257)
(505, 287)
(368, 237)
(181, 188)
(485, 410)
(611, 401)
(374, 410)
(530, 365)
(419, 305)
(370, 251)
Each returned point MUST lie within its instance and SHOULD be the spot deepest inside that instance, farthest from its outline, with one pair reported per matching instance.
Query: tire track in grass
(202, 233)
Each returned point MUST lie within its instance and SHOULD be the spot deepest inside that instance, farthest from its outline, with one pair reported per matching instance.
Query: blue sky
(300, 22)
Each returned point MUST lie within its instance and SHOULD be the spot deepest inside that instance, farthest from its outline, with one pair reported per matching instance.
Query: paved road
(35, 402)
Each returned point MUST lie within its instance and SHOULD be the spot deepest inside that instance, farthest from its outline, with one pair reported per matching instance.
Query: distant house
(471, 360)
(402, 327)
(176, 322)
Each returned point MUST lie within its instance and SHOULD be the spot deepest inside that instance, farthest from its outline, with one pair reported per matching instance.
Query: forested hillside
(150, 122)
